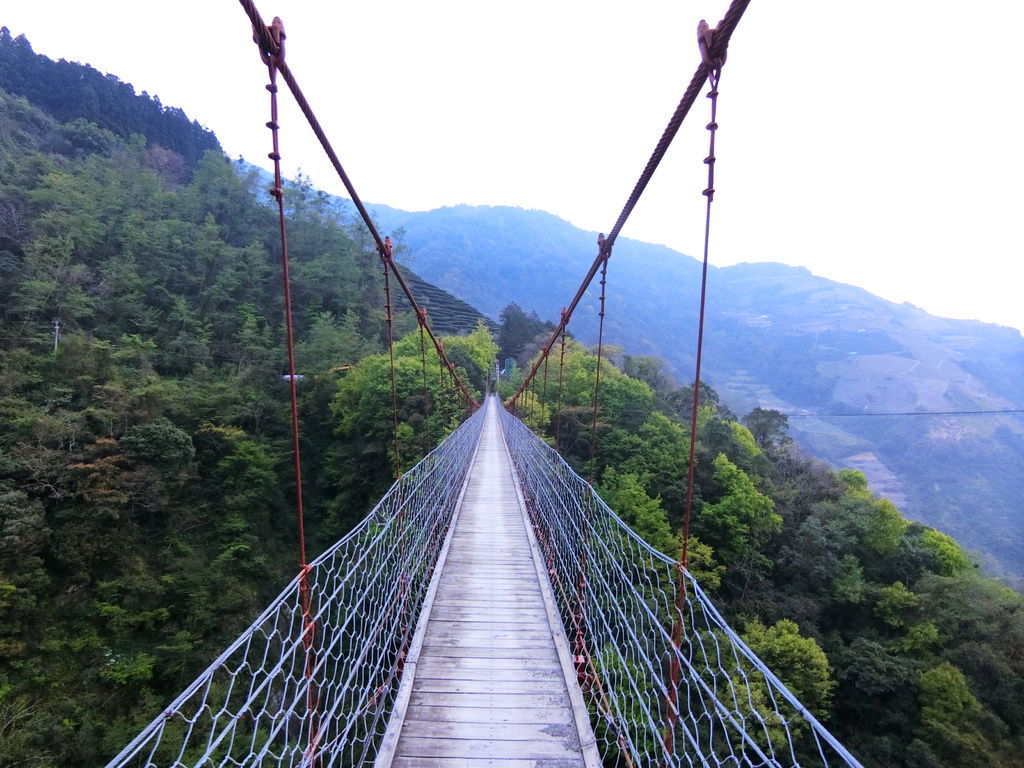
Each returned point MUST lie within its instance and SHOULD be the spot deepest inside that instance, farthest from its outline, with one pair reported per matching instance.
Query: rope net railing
(318, 692)
(617, 597)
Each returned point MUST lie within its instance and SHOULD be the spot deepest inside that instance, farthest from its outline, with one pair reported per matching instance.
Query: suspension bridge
(491, 609)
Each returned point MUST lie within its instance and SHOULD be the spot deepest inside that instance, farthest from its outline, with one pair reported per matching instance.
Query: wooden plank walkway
(489, 680)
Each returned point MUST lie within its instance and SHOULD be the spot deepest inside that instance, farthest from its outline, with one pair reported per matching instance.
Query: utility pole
(56, 332)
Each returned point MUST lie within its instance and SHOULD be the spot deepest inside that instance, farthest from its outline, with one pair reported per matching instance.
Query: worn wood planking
(490, 642)
(497, 701)
(514, 590)
(453, 664)
(454, 634)
(477, 762)
(483, 610)
(480, 624)
(495, 637)
(537, 732)
(488, 685)
(483, 604)
(537, 715)
(447, 672)
(553, 749)
(482, 652)
(439, 685)
(504, 613)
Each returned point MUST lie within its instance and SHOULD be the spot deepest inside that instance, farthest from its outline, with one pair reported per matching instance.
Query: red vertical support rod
(272, 55)
(704, 36)
(385, 258)
(422, 316)
(544, 396)
(604, 252)
(561, 382)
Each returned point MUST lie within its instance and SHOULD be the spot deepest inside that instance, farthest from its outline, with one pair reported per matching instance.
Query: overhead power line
(982, 412)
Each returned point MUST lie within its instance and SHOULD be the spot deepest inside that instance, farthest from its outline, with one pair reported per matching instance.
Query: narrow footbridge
(490, 611)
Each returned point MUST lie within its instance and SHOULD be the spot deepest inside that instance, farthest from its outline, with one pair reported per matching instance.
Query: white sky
(876, 143)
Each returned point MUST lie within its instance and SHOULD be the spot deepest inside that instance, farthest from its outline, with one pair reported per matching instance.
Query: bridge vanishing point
(491, 610)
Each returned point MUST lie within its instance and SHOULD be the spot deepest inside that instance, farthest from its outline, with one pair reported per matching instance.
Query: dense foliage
(146, 510)
(518, 330)
(429, 407)
(882, 626)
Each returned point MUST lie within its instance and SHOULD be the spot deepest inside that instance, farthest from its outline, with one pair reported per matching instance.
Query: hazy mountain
(826, 353)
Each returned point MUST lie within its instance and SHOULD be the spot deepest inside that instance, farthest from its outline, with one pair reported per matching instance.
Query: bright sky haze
(876, 143)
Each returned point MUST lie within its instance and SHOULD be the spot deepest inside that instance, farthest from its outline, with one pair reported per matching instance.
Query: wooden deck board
(498, 701)
(455, 664)
(536, 715)
(447, 672)
(416, 746)
(486, 762)
(489, 687)
(484, 652)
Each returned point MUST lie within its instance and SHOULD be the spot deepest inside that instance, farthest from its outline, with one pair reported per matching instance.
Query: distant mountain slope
(779, 337)
(447, 314)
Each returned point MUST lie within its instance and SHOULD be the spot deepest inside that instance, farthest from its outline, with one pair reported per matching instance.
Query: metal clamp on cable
(270, 40)
(705, 39)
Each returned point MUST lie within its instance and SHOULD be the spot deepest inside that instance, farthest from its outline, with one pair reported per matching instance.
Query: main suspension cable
(716, 51)
(268, 46)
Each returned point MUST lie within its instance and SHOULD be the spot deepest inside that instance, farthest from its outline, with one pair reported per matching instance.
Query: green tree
(160, 444)
(886, 527)
(625, 494)
(518, 328)
(768, 427)
(331, 343)
(700, 561)
(894, 603)
(655, 452)
(743, 518)
(949, 557)
(848, 584)
(949, 714)
(798, 661)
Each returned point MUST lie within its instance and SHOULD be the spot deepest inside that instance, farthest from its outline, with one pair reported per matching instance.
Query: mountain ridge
(781, 337)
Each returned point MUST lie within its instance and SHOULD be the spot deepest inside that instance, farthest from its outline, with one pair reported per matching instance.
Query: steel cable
(267, 46)
(723, 34)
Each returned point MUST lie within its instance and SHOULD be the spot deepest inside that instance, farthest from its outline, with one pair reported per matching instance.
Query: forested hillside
(779, 337)
(146, 500)
(882, 626)
(77, 94)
